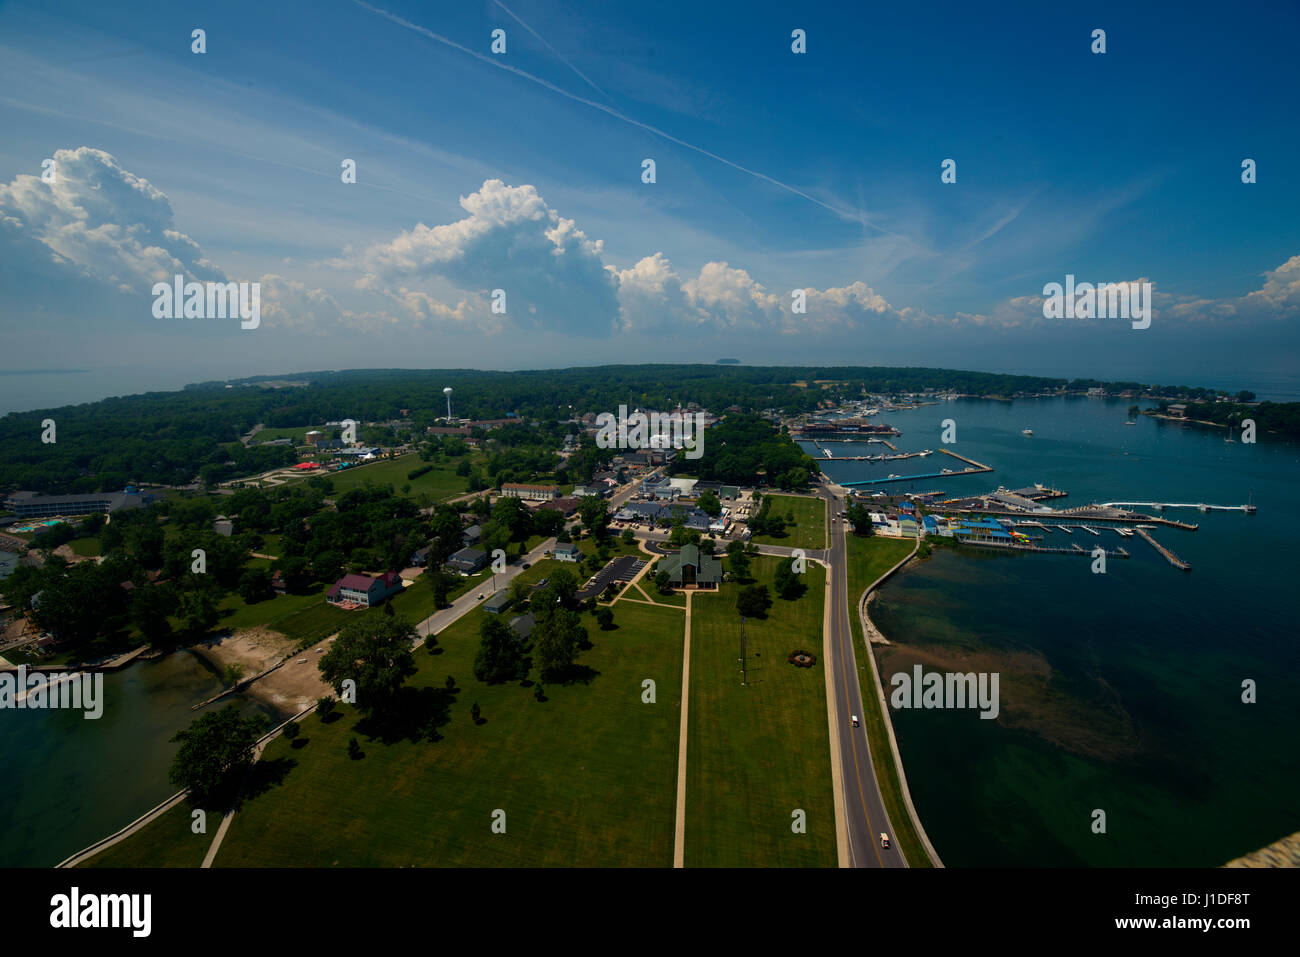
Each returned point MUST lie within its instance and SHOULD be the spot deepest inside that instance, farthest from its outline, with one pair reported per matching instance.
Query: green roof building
(690, 568)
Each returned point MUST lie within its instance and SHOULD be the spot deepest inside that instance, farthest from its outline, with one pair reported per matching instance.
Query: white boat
(1026, 431)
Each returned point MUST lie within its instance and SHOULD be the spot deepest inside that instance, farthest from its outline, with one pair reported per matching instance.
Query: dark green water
(1119, 691)
(70, 781)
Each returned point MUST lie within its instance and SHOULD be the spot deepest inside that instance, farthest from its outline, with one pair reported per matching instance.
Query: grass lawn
(269, 613)
(869, 558)
(586, 778)
(171, 843)
(758, 753)
(88, 547)
(809, 530)
(441, 483)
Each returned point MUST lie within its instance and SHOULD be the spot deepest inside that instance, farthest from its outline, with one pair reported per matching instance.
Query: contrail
(586, 79)
(851, 215)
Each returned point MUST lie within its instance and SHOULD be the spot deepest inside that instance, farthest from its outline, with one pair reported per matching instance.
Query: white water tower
(447, 393)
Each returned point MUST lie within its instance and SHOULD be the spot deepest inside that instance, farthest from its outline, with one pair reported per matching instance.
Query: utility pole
(743, 682)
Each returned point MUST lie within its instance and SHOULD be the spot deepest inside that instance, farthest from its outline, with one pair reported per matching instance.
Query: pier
(1169, 556)
(874, 458)
(818, 442)
(1046, 549)
(1200, 506)
(974, 468)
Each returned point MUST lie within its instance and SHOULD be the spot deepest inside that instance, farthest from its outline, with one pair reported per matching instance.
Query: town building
(567, 552)
(35, 505)
(467, 560)
(364, 590)
(532, 493)
(691, 568)
(498, 602)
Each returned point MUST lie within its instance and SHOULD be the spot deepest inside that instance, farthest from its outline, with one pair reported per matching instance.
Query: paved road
(489, 587)
(862, 802)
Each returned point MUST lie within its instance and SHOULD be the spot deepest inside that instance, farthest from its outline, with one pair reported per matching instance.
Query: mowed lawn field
(758, 753)
(441, 482)
(172, 843)
(809, 530)
(586, 777)
(869, 558)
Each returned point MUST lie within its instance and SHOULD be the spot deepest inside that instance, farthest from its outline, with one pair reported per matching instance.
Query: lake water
(71, 781)
(1120, 692)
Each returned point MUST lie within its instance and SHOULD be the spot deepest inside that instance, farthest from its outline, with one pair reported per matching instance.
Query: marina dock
(1074, 550)
(974, 468)
(1199, 506)
(1169, 556)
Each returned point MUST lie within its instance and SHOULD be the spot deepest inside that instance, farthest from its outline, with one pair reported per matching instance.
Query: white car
(884, 840)
(854, 719)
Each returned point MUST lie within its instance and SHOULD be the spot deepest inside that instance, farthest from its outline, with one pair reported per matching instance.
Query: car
(854, 719)
(884, 840)
(526, 565)
(480, 597)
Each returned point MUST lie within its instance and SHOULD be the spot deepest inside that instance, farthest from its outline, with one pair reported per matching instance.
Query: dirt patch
(291, 687)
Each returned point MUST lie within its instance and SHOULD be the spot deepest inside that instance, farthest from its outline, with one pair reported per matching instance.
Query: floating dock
(1169, 556)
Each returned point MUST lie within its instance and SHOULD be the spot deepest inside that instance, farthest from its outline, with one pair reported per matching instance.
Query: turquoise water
(1119, 692)
(70, 781)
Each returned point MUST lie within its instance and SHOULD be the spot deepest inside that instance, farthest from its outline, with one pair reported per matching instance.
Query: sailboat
(1026, 431)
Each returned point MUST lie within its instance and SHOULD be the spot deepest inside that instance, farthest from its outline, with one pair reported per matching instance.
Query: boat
(1130, 422)
(1026, 431)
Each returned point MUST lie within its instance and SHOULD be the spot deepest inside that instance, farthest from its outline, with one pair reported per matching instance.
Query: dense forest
(171, 437)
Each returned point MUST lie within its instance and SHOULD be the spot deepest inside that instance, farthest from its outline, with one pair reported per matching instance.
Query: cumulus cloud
(553, 276)
(99, 227)
(101, 221)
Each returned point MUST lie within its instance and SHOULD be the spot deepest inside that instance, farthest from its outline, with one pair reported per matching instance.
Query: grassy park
(586, 777)
(759, 752)
(809, 528)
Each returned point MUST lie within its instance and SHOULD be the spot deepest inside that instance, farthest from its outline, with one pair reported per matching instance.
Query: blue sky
(775, 171)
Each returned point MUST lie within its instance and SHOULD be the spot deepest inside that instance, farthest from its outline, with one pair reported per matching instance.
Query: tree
(547, 521)
(150, 606)
(605, 618)
(440, 582)
(520, 591)
(354, 749)
(628, 537)
(325, 707)
(556, 638)
(212, 748)
(753, 601)
(594, 514)
(786, 582)
(1133, 410)
(474, 713)
(376, 654)
(709, 504)
(860, 517)
(198, 610)
(255, 586)
(739, 561)
(291, 730)
(501, 653)
(663, 582)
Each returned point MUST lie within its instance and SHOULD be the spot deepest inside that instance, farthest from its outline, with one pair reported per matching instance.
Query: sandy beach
(291, 687)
